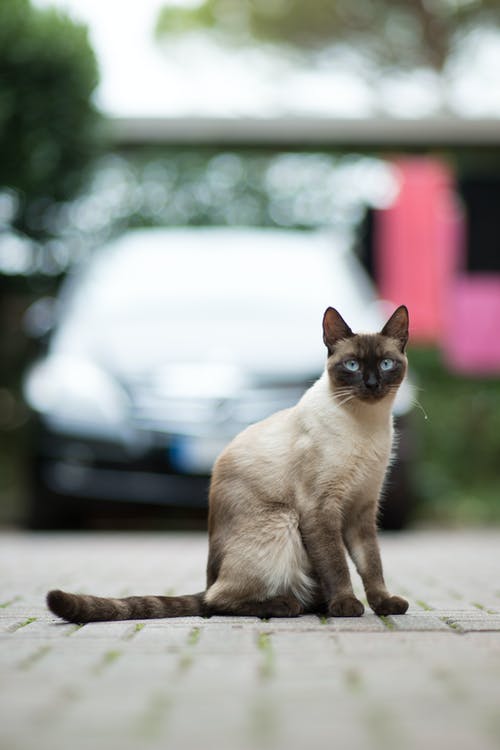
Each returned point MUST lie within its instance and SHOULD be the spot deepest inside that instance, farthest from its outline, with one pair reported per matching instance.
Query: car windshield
(242, 297)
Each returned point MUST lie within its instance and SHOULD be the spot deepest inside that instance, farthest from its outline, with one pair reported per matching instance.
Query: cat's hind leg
(264, 571)
(222, 603)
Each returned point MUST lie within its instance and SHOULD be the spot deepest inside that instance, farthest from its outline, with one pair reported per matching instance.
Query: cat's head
(365, 366)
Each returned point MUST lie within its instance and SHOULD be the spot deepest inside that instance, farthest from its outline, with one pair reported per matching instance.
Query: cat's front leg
(322, 537)
(361, 540)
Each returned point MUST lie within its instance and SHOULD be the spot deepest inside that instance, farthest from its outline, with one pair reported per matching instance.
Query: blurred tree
(394, 34)
(48, 122)
(48, 135)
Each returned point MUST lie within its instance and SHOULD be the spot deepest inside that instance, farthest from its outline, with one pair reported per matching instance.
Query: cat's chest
(353, 457)
(372, 445)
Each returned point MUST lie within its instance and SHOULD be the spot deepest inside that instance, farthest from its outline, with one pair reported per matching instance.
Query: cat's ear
(397, 326)
(334, 329)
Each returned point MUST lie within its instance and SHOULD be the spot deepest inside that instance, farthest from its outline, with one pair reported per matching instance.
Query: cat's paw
(345, 606)
(391, 605)
(285, 606)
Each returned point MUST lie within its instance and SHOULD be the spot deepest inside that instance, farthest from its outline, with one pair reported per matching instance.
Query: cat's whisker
(418, 387)
(341, 392)
(346, 400)
(416, 402)
(340, 399)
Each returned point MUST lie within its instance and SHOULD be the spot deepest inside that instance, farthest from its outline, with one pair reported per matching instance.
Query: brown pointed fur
(291, 494)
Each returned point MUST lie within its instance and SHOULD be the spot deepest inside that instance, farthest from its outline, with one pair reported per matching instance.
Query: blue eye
(387, 364)
(352, 365)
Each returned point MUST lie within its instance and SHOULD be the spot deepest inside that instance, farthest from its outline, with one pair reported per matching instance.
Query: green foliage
(178, 20)
(459, 443)
(395, 33)
(48, 136)
(47, 119)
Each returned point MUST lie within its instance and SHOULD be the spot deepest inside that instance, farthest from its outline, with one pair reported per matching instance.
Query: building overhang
(436, 132)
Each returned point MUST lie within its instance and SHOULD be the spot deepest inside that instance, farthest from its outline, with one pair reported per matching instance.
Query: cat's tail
(81, 608)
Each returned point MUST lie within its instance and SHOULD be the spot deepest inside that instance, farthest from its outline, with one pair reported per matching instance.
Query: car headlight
(75, 394)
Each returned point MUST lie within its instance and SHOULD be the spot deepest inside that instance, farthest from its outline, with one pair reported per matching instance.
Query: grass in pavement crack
(74, 629)
(18, 625)
(193, 636)
(484, 609)
(152, 721)
(186, 658)
(107, 659)
(388, 623)
(353, 680)
(452, 624)
(15, 599)
(133, 631)
(34, 657)
(267, 664)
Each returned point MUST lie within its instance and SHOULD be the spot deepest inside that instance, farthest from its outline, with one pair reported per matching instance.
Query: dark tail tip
(62, 605)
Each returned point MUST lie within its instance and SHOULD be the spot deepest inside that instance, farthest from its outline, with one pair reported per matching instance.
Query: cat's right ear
(334, 329)
(397, 326)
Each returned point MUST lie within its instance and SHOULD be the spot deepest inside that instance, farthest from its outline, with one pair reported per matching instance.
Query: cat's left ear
(397, 326)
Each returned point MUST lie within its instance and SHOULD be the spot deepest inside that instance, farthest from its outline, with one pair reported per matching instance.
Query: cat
(291, 494)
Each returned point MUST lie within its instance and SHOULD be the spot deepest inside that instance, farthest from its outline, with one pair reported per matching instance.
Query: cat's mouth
(372, 395)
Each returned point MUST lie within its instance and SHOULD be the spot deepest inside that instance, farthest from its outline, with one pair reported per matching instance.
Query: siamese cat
(290, 495)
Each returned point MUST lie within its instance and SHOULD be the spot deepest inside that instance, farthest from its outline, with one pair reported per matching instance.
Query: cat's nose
(371, 381)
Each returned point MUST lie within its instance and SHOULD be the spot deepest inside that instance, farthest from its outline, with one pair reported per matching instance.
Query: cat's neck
(330, 409)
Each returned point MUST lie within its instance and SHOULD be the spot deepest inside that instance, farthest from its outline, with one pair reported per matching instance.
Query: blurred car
(171, 341)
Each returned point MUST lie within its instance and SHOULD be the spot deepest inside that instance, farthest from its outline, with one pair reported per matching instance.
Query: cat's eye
(352, 365)
(387, 364)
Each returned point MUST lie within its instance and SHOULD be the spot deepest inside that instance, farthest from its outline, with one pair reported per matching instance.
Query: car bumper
(67, 466)
(123, 485)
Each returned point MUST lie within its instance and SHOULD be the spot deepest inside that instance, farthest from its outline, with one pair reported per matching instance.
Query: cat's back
(263, 443)
(251, 472)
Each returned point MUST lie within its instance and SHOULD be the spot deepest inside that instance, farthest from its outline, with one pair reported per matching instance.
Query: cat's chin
(371, 398)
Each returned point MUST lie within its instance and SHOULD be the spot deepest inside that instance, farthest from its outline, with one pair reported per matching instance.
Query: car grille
(158, 411)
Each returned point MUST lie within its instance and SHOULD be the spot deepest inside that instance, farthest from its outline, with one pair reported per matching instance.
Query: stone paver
(429, 679)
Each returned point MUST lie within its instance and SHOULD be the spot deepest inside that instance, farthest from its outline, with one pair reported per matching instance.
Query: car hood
(269, 354)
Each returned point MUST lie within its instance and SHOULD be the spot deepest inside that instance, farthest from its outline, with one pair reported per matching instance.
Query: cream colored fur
(297, 452)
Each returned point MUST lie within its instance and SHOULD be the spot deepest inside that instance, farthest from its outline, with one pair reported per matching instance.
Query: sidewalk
(429, 679)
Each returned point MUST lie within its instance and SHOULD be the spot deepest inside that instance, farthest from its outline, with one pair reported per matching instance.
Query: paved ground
(429, 679)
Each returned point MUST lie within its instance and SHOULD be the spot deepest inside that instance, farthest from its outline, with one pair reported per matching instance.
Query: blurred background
(184, 188)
